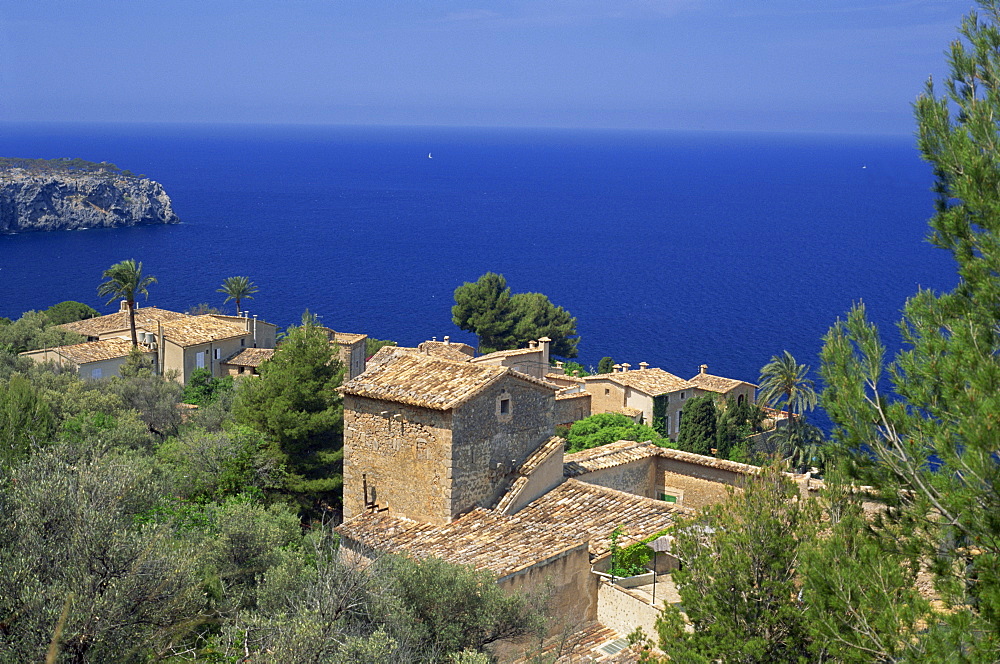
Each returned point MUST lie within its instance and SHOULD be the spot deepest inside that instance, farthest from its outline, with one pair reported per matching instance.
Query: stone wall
(546, 477)
(623, 610)
(567, 579)
(402, 454)
(605, 396)
(490, 445)
(572, 407)
(636, 477)
(693, 485)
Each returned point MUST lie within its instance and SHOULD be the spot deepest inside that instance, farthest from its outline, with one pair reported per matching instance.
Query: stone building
(429, 438)
(350, 350)
(92, 359)
(642, 394)
(455, 459)
(176, 343)
(740, 390)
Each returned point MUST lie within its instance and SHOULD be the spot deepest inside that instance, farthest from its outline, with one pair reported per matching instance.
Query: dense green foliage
(237, 289)
(698, 431)
(203, 389)
(129, 535)
(68, 312)
(35, 331)
(606, 365)
(574, 369)
(295, 403)
(738, 584)
(605, 428)
(503, 321)
(736, 421)
(484, 308)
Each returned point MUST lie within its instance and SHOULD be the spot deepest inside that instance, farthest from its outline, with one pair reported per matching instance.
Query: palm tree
(124, 282)
(783, 382)
(238, 288)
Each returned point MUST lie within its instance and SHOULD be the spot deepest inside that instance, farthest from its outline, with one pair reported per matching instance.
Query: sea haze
(672, 248)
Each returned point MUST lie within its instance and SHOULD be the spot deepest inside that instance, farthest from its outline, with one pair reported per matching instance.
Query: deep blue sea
(674, 248)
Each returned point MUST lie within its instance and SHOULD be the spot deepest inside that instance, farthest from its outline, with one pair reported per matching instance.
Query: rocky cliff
(48, 195)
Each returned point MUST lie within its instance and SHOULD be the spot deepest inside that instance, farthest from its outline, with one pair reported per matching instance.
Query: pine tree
(698, 426)
(923, 431)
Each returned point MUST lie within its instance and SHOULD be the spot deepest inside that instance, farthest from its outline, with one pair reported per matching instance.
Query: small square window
(607, 391)
(243, 342)
(504, 406)
(682, 395)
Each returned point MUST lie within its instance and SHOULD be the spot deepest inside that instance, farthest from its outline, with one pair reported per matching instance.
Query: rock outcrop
(40, 195)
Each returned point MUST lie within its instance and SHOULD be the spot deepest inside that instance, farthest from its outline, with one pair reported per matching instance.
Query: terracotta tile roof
(631, 412)
(707, 461)
(250, 357)
(341, 337)
(544, 451)
(95, 351)
(595, 511)
(707, 381)
(429, 382)
(145, 317)
(467, 351)
(193, 330)
(607, 456)
(649, 381)
(500, 354)
(561, 377)
(513, 492)
(447, 351)
(553, 445)
(587, 645)
(386, 354)
(563, 394)
(481, 538)
(242, 319)
(348, 338)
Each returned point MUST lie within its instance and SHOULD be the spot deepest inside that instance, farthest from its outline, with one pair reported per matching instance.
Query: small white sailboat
(429, 156)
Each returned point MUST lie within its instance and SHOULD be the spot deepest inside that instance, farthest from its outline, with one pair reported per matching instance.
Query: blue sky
(767, 65)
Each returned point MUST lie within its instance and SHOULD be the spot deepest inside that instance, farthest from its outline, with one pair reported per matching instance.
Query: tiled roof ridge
(254, 357)
(708, 379)
(707, 461)
(105, 349)
(506, 353)
(196, 330)
(118, 320)
(641, 379)
(367, 384)
(530, 465)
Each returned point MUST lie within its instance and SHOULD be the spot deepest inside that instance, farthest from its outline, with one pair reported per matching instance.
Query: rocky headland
(72, 194)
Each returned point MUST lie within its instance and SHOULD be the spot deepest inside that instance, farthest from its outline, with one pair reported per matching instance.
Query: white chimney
(704, 368)
(643, 366)
(447, 339)
(124, 306)
(626, 366)
(616, 368)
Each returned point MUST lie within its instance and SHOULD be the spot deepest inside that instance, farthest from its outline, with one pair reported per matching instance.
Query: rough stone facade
(623, 610)
(638, 477)
(572, 407)
(432, 465)
(400, 456)
(490, 445)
